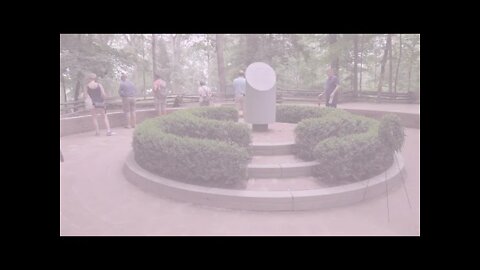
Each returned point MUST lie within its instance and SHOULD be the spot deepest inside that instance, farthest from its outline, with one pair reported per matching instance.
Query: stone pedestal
(261, 96)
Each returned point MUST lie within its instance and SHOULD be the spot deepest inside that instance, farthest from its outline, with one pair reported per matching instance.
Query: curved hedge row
(346, 146)
(203, 146)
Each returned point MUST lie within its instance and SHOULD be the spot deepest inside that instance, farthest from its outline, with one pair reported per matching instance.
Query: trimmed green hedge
(346, 146)
(217, 113)
(295, 113)
(354, 157)
(311, 131)
(188, 147)
(186, 123)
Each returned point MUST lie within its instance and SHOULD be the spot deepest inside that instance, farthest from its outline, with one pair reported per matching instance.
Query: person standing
(205, 94)
(128, 91)
(160, 95)
(331, 89)
(96, 93)
(239, 87)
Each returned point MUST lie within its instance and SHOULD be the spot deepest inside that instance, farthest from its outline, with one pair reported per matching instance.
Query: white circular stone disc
(260, 76)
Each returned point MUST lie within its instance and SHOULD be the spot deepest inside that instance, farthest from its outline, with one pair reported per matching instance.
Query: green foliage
(186, 123)
(391, 133)
(354, 157)
(295, 114)
(311, 131)
(220, 113)
(346, 146)
(300, 60)
(193, 149)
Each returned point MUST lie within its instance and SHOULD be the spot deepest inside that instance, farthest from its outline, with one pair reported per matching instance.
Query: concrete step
(281, 166)
(284, 184)
(272, 149)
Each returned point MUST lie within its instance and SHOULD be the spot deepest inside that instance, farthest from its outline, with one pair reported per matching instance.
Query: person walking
(239, 87)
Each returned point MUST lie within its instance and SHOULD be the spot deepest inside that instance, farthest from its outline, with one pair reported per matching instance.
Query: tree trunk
(390, 70)
(410, 67)
(208, 59)
(398, 64)
(173, 77)
(332, 39)
(143, 68)
(355, 61)
(409, 75)
(252, 47)
(361, 64)
(384, 61)
(221, 64)
(64, 87)
(153, 56)
(78, 85)
(79, 74)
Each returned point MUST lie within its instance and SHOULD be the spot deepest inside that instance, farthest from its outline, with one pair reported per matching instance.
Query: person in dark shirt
(331, 89)
(96, 93)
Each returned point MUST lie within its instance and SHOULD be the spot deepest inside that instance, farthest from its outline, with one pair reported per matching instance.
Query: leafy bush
(353, 157)
(295, 114)
(346, 146)
(311, 131)
(391, 132)
(184, 123)
(185, 147)
(220, 113)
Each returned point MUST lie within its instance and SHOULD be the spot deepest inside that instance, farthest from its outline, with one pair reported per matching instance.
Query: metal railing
(283, 95)
(78, 107)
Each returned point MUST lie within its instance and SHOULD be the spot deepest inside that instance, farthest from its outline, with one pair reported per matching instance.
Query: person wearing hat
(96, 93)
(239, 86)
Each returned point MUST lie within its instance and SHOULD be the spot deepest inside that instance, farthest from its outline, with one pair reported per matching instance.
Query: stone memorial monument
(261, 96)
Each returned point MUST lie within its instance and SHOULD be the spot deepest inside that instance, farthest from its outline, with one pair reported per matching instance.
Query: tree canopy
(300, 60)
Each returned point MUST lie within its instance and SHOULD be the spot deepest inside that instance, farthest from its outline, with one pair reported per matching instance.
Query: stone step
(282, 166)
(271, 149)
(284, 184)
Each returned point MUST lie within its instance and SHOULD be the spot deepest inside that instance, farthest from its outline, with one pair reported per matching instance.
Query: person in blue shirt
(239, 87)
(128, 92)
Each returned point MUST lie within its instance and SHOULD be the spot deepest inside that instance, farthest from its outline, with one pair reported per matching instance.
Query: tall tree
(390, 69)
(143, 67)
(398, 63)
(361, 63)
(173, 76)
(332, 40)
(252, 47)
(221, 63)
(355, 61)
(63, 86)
(384, 61)
(78, 84)
(154, 61)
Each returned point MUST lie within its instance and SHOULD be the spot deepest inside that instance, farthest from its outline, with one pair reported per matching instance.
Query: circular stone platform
(285, 200)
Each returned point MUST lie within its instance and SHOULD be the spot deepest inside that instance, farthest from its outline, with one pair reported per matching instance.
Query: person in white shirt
(205, 94)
